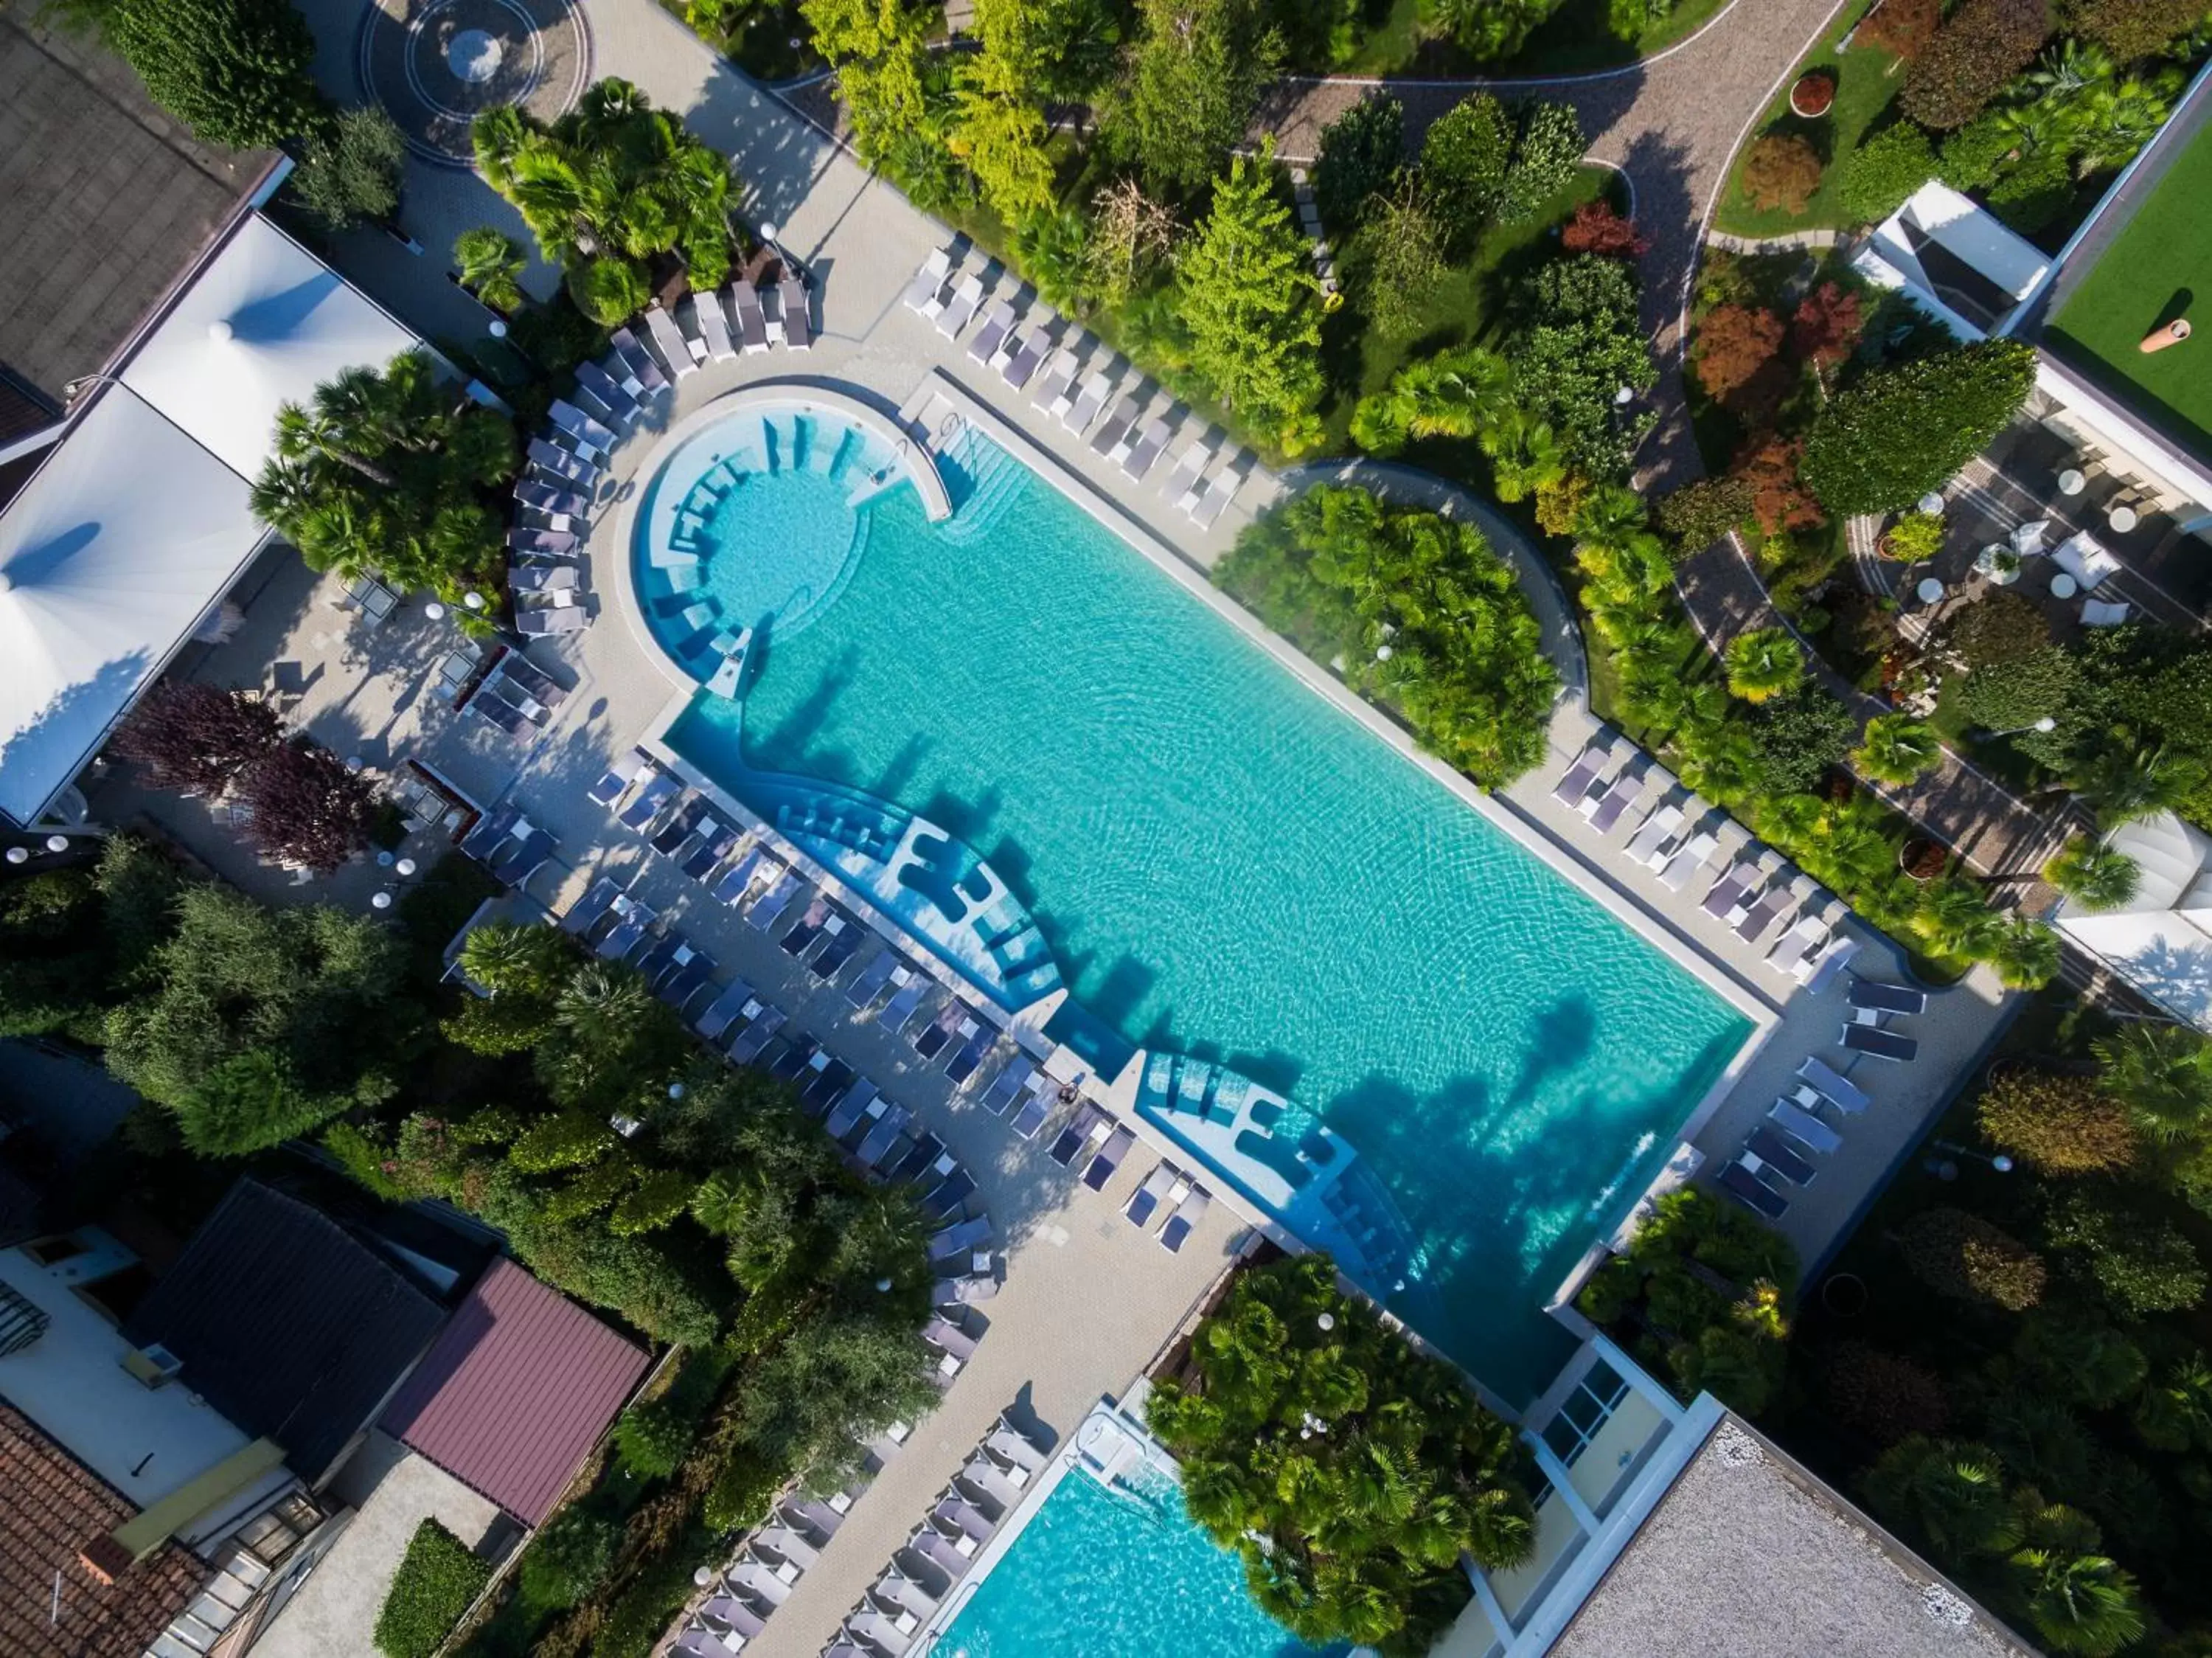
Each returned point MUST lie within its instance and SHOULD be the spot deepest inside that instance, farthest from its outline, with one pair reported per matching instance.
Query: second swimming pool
(1225, 863)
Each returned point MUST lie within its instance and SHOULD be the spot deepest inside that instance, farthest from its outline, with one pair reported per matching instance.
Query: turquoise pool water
(1225, 863)
(1100, 1574)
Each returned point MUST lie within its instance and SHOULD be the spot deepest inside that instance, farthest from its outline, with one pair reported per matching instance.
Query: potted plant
(1913, 537)
(1814, 92)
(1922, 858)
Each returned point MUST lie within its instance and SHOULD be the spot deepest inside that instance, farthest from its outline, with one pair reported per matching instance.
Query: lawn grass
(1864, 90)
(2147, 277)
(1575, 38)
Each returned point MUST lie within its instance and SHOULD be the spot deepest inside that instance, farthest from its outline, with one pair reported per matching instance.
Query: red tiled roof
(516, 1389)
(51, 1507)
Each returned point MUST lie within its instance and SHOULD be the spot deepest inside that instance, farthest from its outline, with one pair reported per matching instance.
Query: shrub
(2002, 627)
(2012, 694)
(1596, 229)
(1734, 342)
(2142, 1265)
(2062, 1125)
(438, 1578)
(569, 1557)
(1883, 171)
(1799, 737)
(1698, 513)
(1547, 154)
(239, 73)
(1733, 1365)
(1576, 341)
(1781, 170)
(741, 1494)
(567, 1139)
(1361, 151)
(351, 171)
(1976, 52)
(1490, 29)
(2132, 29)
(1962, 1255)
(1884, 1396)
(1971, 156)
(185, 735)
(1769, 468)
(1464, 158)
(2094, 875)
(1902, 431)
(653, 1435)
(1914, 538)
(1399, 256)
(1902, 28)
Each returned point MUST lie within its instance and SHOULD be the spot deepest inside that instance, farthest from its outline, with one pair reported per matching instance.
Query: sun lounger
(1582, 774)
(1804, 1127)
(1885, 997)
(1835, 1087)
(1155, 437)
(581, 426)
(846, 1114)
(524, 858)
(948, 1337)
(587, 911)
(1181, 1224)
(964, 1291)
(996, 321)
(712, 325)
(702, 855)
(755, 1036)
(933, 1036)
(681, 988)
(1686, 863)
(733, 1614)
(722, 1012)
(1007, 1083)
(1804, 936)
(1028, 354)
(941, 1553)
(1102, 1167)
(1731, 889)
(541, 578)
(1814, 971)
(544, 544)
(1091, 1126)
(1767, 1144)
(1002, 1488)
(542, 624)
(967, 296)
(1602, 811)
(878, 1140)
(668, 342)
(774, 902)
(962, 1066)
(1145, 1199)
(1037, 1107)
(561, 503)
(1220, 489)
(738, 879)
(1055, 393)
(753, 1578)
(798, 325)
(572, 469)
(1762, 914)
(640, 360)
(868, 983)
(681, 823)
(786, 1544)
(1654, 842)
(700, 1642)
(598, 383)
(1110, 439)
(1883, 1045)
(802, 937)
(1097, 388)
(900, 1594)
(955, 1517)
(926, 293)
(633, 918)
(961, 1239)
(904, 1002)
(1182, 485)
(844, 938)
(649, 801)
(945, 1198)
(926, 1163)
(744, 303)
(618, 776)
(1738, 1180)
(819, 1516)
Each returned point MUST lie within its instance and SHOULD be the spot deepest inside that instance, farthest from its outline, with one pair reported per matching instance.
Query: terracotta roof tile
(53, 1506)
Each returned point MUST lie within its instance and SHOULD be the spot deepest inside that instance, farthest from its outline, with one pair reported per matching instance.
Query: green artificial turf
(2159, 268)
(1864, 88)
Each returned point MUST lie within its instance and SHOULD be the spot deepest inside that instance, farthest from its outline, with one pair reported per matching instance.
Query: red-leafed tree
(1902, 28)
(1828, 324)
(1596, 229)
(306, 806)
(1734, 342)
(1778, 501)
(199, 737)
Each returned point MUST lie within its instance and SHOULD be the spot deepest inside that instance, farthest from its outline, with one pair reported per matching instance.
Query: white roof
(2162, 941)
(111, 553)
(266, 322)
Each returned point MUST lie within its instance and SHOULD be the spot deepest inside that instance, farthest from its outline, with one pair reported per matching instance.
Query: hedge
(434, 1585)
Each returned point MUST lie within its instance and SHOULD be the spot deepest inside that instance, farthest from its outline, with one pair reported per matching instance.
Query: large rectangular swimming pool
(1227, 863)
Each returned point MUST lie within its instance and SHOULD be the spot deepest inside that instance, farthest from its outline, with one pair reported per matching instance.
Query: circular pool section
(756, 519)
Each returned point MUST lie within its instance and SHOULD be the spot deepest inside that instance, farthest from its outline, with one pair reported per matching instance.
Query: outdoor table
(2061, 586)
(2122, 519)
(384, 859)
(2072, 482)
(435, 611)
(1930, 590)
(379, 900)
(1932, 503)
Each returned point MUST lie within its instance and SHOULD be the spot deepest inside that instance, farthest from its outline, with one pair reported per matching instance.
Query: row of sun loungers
(762, 1575)
(1675, 842)
(938, 1553)
(553, 504)
(509, 845)
(1016, 349)
(1779, 1156)
(514, 695)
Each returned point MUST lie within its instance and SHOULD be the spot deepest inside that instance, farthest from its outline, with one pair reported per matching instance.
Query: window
(1594, 1399)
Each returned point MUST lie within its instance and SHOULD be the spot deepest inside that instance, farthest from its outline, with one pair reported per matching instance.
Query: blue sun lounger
(847, 1110)
(647, 803)
(722, 1012)
(1741, 1183)
(755, 1036)
(1839, 1089)
(587, 911)
(1008, 1083)
(844, 939)
(774, 902)
(1887, 998)
(869, 982)
(1881, 1044)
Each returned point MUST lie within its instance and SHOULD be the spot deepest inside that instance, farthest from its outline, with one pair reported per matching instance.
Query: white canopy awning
(2160, 941)
(265, 323)
(122, 541)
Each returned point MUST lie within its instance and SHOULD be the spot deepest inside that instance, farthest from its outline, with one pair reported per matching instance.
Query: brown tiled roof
(515, 1390)
(51, 1507)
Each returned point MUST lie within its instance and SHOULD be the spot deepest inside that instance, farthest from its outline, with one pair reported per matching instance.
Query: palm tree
(490, 266)
(1954, 918)
(2080, 1602)
(1898, 750)
(2068, 68)
(506, 958)
(1053, 246)
(2023, 951)
(2127, 784)
(1763, 662)
(2163, 1074)
(2113, 122)
(2094, 875)
(1610, 515)
(1951, 1493)
(1525, 455)
(600, 1003)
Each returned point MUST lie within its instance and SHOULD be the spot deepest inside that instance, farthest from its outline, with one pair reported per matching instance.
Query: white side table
(1932, 503)
(1929, 589)
(2071, 481)
(2063, 586)
(2122, 519)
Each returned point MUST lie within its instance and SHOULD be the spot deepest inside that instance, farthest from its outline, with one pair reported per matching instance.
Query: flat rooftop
(109, 197)
(1748, 1554)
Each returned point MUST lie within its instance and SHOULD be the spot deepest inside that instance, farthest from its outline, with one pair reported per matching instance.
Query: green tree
(1548, 152)
(1799, 736)
(1247, 297)
(385, 473)
(607, 187)
(2127, 782)
(1194, 80)
(1763, 662)
(1399, 253)
(1362, 152)
(999, 127)
(490, 266)
(238, 72)
(2175, 1411)
(1350, 1534)
(1980, 47)
(1465, 157)
(570, 1556)
(1457, 394)
(2132, 29)
(2143, 1264)
(2023, 952)
(879, 49)
(1898, 750)
(1698, 513)
(1884, 170)
(1577, 343)
(1947, 1495)
(1902, 431)
(2080, 1602)
(1492, 30)
(351, 171)
(2061, 1124)
(2094, 875)
(1959, 1254)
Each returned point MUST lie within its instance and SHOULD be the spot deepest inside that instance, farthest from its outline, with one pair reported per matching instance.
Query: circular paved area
(436, 64)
